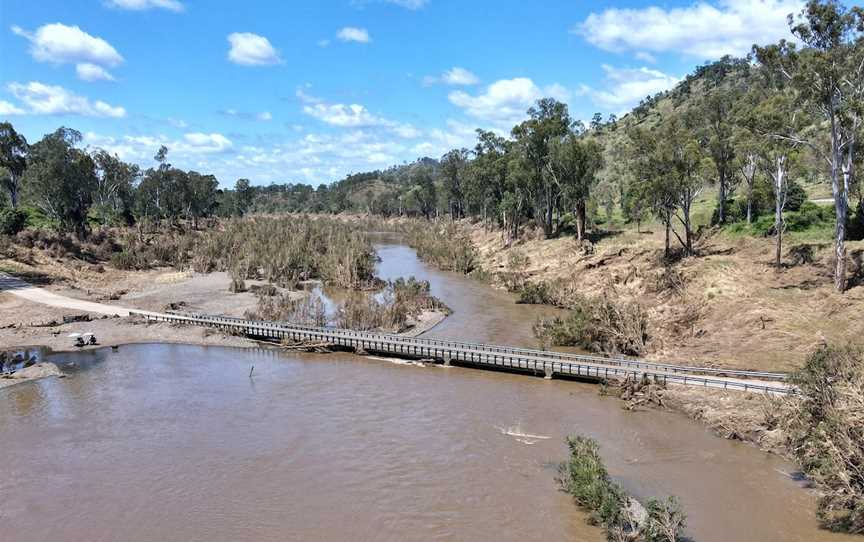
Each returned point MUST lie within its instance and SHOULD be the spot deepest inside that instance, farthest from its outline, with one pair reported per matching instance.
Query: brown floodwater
(168, 442)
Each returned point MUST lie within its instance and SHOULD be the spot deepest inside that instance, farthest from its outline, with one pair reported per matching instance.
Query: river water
(167, 442)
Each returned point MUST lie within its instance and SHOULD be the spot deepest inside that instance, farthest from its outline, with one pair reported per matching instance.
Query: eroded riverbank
(403, 453)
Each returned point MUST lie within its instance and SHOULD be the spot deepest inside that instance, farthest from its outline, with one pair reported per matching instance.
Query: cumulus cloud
(455, 76)
(626, 86)
(352, 116)
(206, 143)
(249, 49)
(61, 44)
(505, 102)
(42, 99)
(140, 5)
(350, 33)
(703, 30)
(344, 115)
(92, 72)
(310, 157)
(7, 108)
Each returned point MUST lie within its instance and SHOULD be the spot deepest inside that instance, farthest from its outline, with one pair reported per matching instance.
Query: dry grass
(726, 306)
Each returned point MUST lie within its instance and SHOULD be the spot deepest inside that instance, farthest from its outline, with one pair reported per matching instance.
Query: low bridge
(540, 362)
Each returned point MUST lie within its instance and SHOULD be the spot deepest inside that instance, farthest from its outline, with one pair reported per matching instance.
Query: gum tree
(828, 78)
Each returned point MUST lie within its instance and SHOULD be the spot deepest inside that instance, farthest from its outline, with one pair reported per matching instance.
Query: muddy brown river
(177, 443)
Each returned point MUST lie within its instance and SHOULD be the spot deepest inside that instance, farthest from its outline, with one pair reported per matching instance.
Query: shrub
(598, 324)
(535, 293)
(826, 433)
(12, 221)
(585, 478)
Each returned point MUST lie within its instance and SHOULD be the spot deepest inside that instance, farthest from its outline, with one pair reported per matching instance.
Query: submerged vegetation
(598, 324)
(445, 245)
(585, 478)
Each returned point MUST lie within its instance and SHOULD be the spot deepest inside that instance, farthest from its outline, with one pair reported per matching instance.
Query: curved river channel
(167, 442)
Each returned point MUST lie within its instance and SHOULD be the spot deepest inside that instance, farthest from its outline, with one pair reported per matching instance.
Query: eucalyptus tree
(454, 166)
(574, 161)
(548, 120)
(61, 179)
(715, 108)
(115, 186)
(828, 77)
(486, 179)
(669, 174)
(13, 159)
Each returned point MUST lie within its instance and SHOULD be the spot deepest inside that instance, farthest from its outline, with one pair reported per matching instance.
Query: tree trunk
(668, 223)
(779, 203)
(721, 205)
(13, 190)
(579, 211)
(841, 204)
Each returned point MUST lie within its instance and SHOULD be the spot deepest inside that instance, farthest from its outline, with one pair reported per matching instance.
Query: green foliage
(585, 478)
(12, 220)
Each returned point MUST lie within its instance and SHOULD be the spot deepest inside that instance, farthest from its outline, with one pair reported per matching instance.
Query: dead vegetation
(696, 307)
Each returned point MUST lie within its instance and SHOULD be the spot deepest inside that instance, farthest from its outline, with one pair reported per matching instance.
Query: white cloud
(262, 116)
(140, 5)
(703, 30)
(350, 33)
(344, 115)
(505, 102)
(42, 99)
(455, 76)
(645, 57)
(626, 86)
(250, 49)
(303, 157)
(61, 44)
(352, 116)
(206, 143)
(7, 108)
(92, 72)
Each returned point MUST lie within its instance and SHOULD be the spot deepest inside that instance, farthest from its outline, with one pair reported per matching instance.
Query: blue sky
(307, 91)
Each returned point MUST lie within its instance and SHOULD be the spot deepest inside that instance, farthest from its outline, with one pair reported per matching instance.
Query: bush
(12, 221)
(826, 433)
(598, 324)
(585, 478)
(535, 293)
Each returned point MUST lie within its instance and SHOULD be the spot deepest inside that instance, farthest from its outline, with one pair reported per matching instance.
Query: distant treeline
(753, 129)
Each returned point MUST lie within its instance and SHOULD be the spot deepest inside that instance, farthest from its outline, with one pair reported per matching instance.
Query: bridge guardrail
(405, 345)
(629, 362)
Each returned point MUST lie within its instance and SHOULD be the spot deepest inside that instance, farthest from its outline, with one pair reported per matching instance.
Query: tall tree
(115, 185)
(244, 193)
(828, 77)
(573, 164)
(13, 158)
(548, 120)
(453, 172)
(61, 179)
